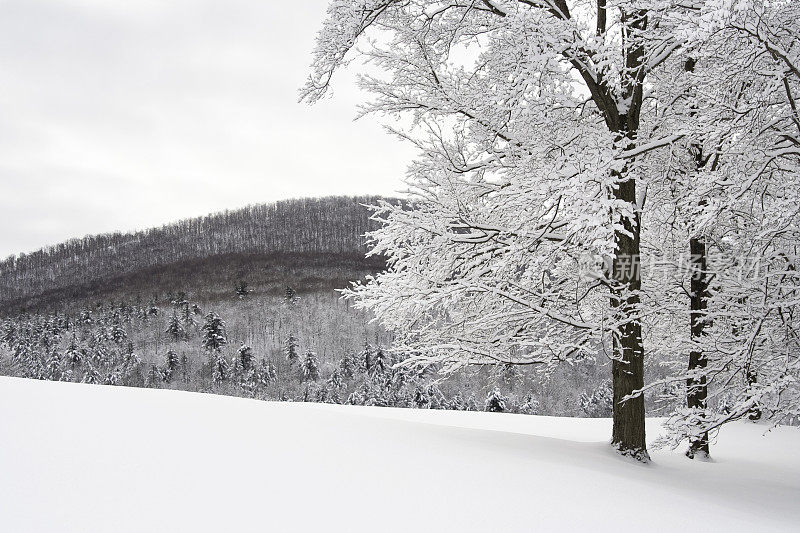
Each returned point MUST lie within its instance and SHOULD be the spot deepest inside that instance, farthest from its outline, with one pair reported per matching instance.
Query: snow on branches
(564, 145)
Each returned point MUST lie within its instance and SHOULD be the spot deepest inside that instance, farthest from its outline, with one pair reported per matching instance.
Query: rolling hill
(316, 243)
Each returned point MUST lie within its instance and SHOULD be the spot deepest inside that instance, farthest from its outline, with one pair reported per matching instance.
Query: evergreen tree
(245, 357)
(335, 384)
(214, 334)
(54, 370)
(495, 401)
(457, 403)
(472, 404)
(380, 363)
(365, 358)
(436, 397)
(188, 318)
(530, 406)
(92, 376)
(170, 366)
(131, 366)
(220, 371)
(310, 367)
(290, 350)
(154, 375)
(359, 396)
(172, 361)
(420, 398)
(599, 403)
(175, 329)
(322, 395)
(73, 354)
(115, 331)
(335, 381)
(347, 366)
(266, 372)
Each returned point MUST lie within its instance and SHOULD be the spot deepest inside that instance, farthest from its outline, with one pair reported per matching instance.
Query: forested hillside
(254, 242)
(242, 303)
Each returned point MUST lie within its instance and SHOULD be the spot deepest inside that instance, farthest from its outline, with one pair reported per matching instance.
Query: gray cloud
(116, 116)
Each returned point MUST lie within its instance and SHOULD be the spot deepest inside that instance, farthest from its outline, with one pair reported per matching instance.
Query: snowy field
(87, 458)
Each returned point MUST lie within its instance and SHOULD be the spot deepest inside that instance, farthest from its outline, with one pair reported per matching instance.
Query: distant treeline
(331, 226)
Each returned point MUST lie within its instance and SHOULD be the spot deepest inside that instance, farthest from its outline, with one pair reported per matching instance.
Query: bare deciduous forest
(302, 234)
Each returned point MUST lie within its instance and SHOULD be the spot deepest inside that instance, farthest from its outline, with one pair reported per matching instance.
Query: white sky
(118, 115)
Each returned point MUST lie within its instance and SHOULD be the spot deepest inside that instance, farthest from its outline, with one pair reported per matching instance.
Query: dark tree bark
(627, 368)
(696, 387)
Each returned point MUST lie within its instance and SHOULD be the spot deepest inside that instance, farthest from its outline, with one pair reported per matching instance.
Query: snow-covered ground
(88, 458)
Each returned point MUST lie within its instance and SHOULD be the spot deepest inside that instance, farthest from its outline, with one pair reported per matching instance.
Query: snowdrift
(87, 458)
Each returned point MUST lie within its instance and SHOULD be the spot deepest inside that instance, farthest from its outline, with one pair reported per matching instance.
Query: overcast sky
(119, 115)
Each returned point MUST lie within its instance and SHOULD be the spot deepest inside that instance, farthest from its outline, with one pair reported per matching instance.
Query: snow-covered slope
(87, 458)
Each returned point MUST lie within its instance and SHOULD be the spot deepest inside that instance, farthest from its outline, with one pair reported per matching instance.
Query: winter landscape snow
(575, 307)
(86, 458)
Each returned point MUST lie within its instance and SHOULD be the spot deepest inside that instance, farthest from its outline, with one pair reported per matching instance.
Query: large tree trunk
(627, 368)
(628, 435)
(696, 387)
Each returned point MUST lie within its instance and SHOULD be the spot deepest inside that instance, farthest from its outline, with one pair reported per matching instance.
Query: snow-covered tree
(175, 328)
(54, 367)
(245, 353)
(290, 350)
(73, 355)
(116, 332)
(214, 333)
(91, 376)
(335, 385)
(310, 367)
(155, 375)
(733, 188)
(380, 362)
(347, 365)
(521, 240)
(266, 372)
(220, 369)
(598, 403)
(530, 406)
(171, 364)
(495, 401)
(364, 361)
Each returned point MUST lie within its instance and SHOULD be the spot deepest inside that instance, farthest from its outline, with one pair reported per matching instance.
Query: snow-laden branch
(652, 145)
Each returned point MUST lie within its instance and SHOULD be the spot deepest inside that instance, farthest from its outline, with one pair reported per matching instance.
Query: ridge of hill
(323, 234)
